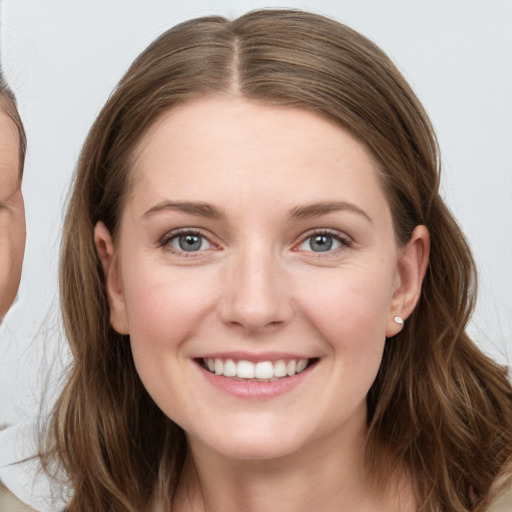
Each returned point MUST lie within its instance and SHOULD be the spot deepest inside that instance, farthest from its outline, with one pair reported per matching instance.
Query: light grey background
(63, 57)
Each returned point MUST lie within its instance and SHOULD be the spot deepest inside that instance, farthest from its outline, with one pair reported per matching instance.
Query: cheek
(165, 305)
(351, 315)
(350, 307)
(166, 309)
(12, 245)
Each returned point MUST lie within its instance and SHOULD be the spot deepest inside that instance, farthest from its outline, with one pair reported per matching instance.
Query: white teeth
(291, 367)
(229, 368)
(301, 365)
(280, 369)
(245, 370)
(263, 370)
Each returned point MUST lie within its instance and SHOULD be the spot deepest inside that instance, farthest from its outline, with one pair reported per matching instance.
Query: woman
(12, 217)
(265, 295)
(12, 213)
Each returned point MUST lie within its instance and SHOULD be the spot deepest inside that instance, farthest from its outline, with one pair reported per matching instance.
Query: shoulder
(501, 492)
(502, 502)
(9, 502)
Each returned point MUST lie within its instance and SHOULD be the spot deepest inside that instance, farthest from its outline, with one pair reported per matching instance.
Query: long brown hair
(438, 405)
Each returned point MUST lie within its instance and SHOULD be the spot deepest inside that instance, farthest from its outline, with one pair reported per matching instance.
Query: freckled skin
(256, 284)
(12, 214)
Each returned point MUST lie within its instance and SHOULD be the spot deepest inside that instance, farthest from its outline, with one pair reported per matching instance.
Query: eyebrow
(323, 208)
(299, 212)
(201, 209)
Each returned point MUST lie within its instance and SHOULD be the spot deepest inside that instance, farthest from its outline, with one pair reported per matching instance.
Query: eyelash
(343, 240)
(164, 242)
(173, 235)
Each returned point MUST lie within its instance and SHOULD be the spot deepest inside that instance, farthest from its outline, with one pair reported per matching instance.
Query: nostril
(254, 314)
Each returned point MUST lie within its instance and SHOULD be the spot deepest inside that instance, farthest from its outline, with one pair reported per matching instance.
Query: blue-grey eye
(190, 242)
(320, 242)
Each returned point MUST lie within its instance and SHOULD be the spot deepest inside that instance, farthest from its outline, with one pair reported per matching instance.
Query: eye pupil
(190, 242)
(320, 243)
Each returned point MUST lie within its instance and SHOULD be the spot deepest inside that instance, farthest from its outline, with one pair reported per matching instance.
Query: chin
(261, 442)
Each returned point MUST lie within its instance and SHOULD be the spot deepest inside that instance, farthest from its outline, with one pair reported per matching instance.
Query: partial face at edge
(12, 214)
(258, 234)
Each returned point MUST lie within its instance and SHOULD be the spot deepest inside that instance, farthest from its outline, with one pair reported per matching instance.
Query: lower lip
(256, 390)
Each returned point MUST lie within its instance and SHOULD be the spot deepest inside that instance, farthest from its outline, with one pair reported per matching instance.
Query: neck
(328, 475)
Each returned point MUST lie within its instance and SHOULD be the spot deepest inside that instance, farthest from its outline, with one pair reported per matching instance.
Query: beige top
(9, 502)
(503, 503)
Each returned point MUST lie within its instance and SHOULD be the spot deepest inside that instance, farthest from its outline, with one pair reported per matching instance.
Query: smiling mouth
(262, 371)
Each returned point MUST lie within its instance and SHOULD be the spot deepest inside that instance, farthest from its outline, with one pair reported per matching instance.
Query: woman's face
(12, 214)
(256, 243)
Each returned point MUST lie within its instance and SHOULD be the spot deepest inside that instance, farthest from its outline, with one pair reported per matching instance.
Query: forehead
(233, 145)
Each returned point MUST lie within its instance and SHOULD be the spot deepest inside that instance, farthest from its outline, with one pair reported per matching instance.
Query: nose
(256, 294)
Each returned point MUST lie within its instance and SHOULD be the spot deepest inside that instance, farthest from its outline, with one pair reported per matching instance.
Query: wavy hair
(438, 405)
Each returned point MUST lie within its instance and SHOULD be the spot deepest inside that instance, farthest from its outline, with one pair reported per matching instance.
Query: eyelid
(343, 238)
(170, 235)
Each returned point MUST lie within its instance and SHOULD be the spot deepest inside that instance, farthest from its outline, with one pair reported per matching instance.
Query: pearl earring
(399, 320)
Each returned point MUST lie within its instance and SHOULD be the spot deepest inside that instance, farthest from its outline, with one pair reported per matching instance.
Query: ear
(412, 265)
(113, 282)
